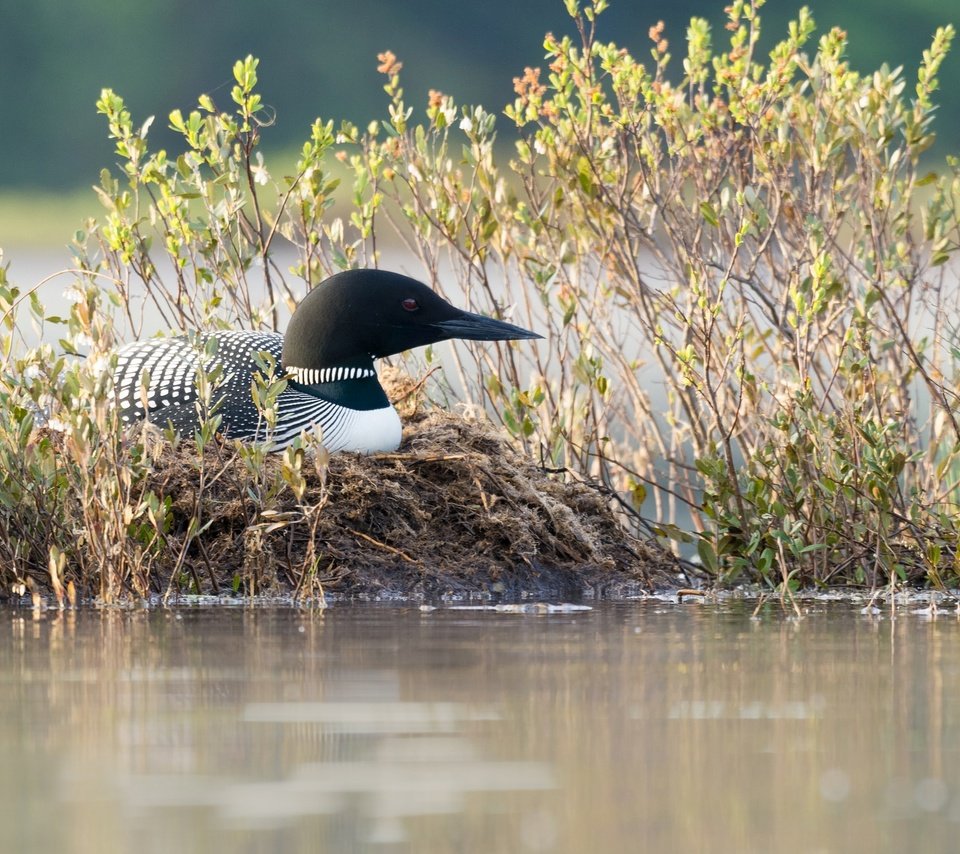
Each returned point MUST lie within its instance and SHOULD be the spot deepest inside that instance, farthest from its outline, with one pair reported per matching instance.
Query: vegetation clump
(456, 511)
(743, 276)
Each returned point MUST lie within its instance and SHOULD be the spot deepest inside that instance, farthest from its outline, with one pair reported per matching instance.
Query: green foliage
(79, 504)
(742, 273)
(760, 227)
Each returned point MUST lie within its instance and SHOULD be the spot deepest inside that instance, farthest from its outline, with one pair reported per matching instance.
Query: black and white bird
(326, 355)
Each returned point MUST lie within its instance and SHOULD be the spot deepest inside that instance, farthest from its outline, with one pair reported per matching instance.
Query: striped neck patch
(319, 376)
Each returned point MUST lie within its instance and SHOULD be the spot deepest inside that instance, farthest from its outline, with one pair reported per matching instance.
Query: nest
(456, 511)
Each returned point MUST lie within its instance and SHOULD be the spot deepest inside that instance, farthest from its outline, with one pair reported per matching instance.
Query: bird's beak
(476, 327)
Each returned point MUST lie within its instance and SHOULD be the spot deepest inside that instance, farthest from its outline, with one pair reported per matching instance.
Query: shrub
(742, 277)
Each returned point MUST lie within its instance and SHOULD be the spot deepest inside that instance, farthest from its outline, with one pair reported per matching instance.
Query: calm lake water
(629, 727)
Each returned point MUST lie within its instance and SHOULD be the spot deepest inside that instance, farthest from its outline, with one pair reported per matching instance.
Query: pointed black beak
(476, 327)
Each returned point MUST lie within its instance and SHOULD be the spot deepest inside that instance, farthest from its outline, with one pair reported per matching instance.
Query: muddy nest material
(455, 511)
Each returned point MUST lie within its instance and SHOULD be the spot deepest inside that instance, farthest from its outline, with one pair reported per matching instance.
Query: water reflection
(628, 727)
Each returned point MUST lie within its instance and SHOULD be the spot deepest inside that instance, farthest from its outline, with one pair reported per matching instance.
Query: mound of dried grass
(457, 510)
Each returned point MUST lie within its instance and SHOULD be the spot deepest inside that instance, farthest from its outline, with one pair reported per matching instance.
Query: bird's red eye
(410, 304)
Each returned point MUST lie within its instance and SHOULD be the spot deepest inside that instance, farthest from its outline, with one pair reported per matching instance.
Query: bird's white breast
(340, 428)
(371, 431)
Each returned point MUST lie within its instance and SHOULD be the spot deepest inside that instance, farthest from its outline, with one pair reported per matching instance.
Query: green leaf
(672, 532)
(709, 214)
(708, 556)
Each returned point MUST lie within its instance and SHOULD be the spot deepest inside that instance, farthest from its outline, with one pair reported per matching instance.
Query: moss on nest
(457, 510)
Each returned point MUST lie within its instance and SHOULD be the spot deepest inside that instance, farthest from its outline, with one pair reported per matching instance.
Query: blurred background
(318, 58)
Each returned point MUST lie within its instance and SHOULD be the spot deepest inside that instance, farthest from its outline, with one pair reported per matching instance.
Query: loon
(326, 356)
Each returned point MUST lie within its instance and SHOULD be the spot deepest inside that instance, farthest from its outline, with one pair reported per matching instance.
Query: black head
(359, 314)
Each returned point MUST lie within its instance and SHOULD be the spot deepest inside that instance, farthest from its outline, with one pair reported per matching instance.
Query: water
(629, 727)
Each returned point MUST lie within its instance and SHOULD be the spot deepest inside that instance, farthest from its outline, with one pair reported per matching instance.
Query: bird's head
(362, 314)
